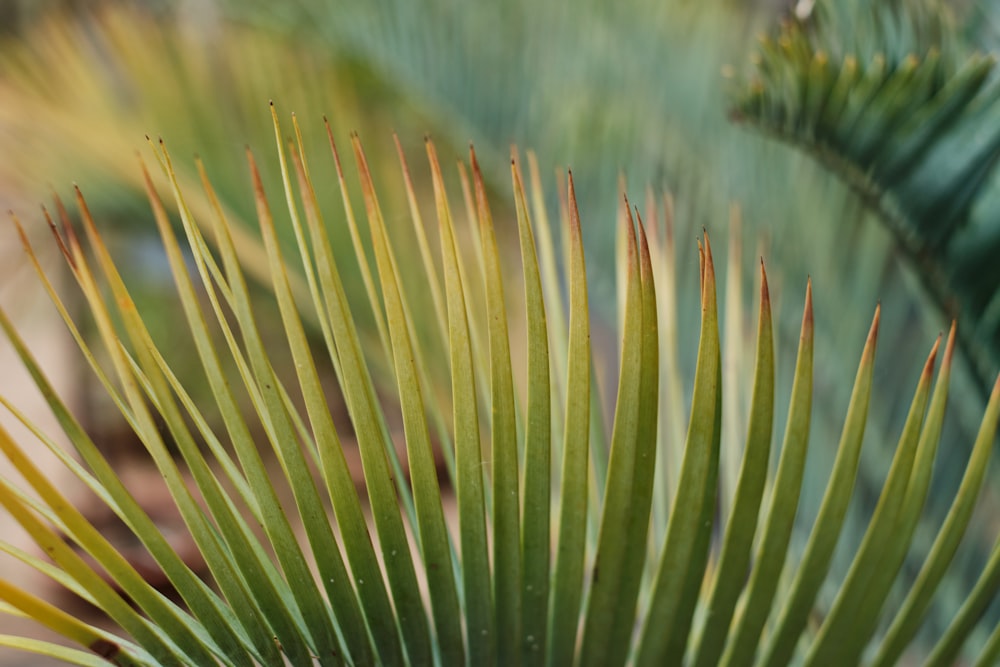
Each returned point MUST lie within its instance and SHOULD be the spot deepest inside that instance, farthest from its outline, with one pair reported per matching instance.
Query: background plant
(900, 106)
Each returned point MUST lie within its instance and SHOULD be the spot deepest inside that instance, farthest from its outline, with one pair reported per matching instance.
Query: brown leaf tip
(638, 222)
(765, 292)
(807, 314)
(701, 267)
(873, 332)
(931, 358)
(949, 347)
(708, 252)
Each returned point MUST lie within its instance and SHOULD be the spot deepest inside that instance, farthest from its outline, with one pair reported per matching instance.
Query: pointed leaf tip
(873, 332)
(949, 347)
(931, 359)
(333, 149)
(82, 203)
(574, 212)
(20, 231)
(701, 267)
(67, 255)
(709, 268)
(644, 257)
(765, 292)
(477, 174)
(807, 314)
(633, 250)
(258, 184)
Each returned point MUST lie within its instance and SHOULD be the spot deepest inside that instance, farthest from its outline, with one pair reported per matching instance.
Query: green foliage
(585, 84)
(629, 569)
(891, 98)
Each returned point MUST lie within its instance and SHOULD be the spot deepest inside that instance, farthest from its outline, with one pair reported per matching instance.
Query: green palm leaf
(356, 588)
(587, 84)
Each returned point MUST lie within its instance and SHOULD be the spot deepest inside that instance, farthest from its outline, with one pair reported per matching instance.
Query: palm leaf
(889, 97)
(631, 586)
(646, 97)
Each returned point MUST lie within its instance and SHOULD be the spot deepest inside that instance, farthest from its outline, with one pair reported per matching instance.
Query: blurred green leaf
(889, 97)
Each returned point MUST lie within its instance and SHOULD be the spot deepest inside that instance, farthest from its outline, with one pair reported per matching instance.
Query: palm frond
(590, 85)
(888, 97)
(382, 575)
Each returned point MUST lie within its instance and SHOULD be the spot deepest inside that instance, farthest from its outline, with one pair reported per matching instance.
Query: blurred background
(634, 92)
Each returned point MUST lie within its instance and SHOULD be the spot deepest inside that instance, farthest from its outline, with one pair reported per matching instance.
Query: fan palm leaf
(404, 586)
(636, 96)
